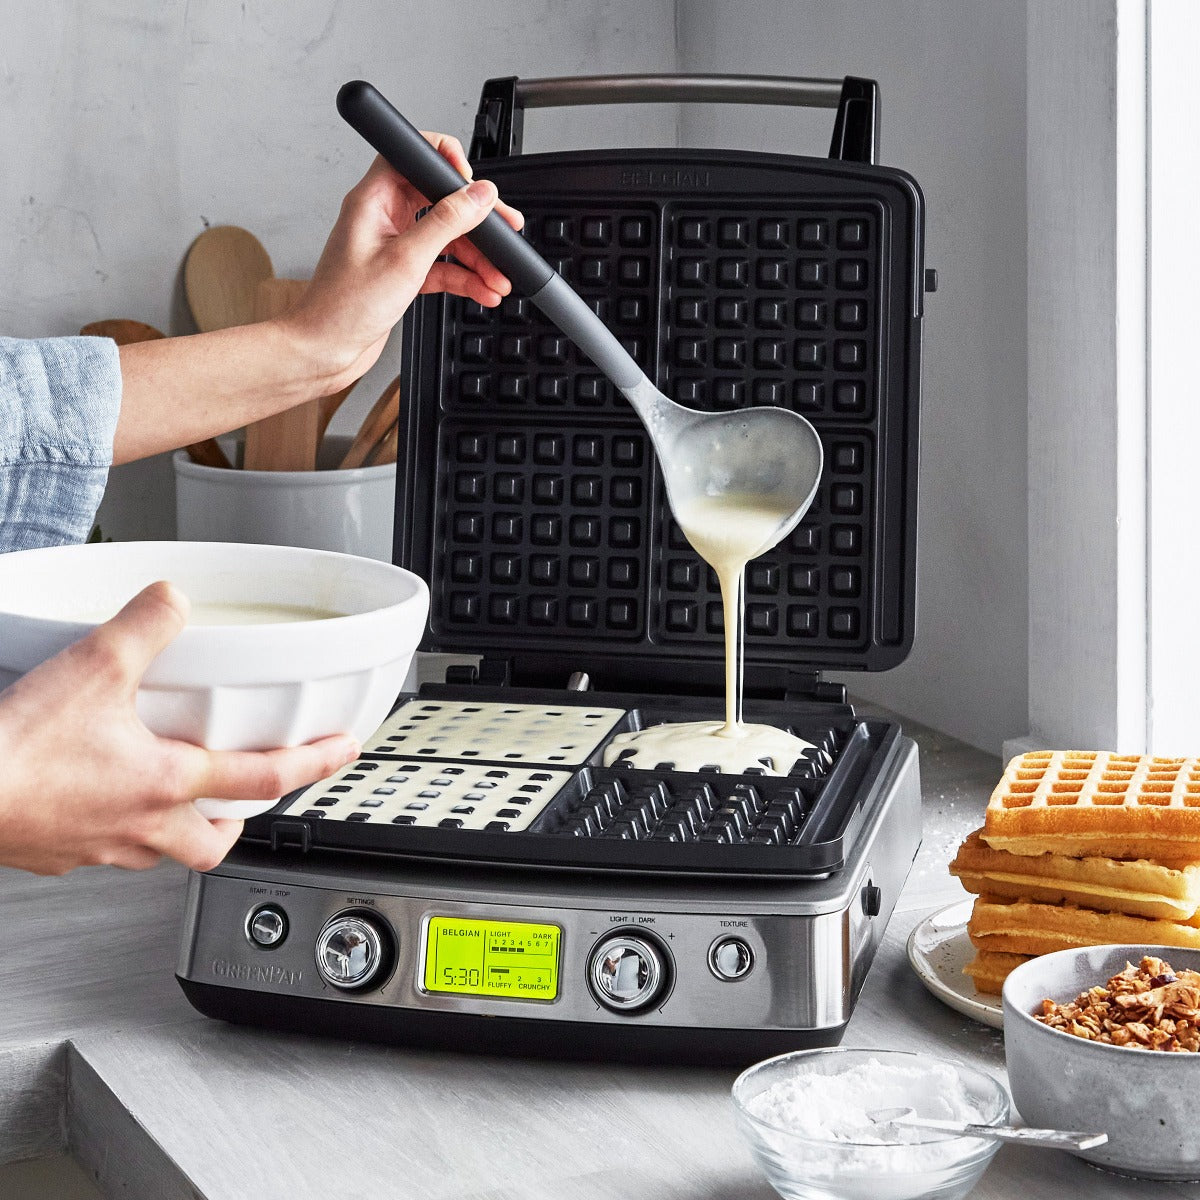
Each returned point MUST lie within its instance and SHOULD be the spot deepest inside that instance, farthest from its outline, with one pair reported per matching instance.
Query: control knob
(267, 926)
(626, 972)
(351, 949)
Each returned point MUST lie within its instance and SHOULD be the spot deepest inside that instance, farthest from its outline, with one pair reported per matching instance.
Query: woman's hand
(85, 782)
(379, 257)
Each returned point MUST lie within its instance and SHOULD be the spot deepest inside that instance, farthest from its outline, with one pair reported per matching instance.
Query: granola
(1148, 1007)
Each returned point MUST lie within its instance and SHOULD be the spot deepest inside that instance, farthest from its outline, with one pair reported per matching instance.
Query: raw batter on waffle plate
(727, 531)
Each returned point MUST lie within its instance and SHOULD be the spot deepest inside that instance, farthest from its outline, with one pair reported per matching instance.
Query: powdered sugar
(844, 1153)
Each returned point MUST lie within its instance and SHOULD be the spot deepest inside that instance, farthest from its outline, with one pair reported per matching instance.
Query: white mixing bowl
(230, 687)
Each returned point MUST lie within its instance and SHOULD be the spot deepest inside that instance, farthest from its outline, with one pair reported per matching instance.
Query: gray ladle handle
(377, 121)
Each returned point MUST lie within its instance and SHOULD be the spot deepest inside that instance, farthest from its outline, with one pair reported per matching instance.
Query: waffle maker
(479, 879)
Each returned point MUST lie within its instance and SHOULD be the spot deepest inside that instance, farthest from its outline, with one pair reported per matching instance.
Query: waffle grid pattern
(1097, 778)
(440, 794)
(661, 808)
(454, 765)
(527, 733)
(773, 306)
(544, 532)
(812, 587)
(553, 531)
(512, 358)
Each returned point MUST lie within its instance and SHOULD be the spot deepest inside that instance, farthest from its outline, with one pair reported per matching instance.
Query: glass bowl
(804, 1159)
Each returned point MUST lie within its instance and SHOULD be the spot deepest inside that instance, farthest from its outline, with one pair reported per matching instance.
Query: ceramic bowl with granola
(1108, 1038)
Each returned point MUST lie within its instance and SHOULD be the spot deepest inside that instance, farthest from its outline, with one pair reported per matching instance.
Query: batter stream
(727, 531)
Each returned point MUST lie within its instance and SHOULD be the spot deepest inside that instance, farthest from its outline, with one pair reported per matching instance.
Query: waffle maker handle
(499, 121)
(366, 110)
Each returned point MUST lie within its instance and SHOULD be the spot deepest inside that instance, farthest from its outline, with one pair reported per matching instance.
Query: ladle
(770, 454)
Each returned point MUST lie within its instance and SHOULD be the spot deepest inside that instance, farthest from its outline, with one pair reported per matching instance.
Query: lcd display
(492, 958)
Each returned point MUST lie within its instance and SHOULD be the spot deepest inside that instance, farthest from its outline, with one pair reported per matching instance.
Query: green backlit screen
(492, 958)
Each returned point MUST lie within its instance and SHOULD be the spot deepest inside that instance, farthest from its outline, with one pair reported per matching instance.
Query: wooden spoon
(122, 331)
(385, 451)
(125, 333)
(221, 275)
(329, 406)
(384, 415)
(288, 440)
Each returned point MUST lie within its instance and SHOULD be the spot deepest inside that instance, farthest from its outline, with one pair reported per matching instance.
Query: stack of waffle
(1081, 849)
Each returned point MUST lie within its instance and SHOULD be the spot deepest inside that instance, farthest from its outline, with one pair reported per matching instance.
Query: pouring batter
(727, 531)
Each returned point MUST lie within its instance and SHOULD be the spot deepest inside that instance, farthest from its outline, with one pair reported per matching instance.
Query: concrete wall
(128, 126)
(952, 80)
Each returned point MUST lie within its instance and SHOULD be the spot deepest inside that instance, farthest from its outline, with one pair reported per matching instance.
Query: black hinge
(286, 835)
(491, 672)
(856, 126)
(498, 121)
(808, 685)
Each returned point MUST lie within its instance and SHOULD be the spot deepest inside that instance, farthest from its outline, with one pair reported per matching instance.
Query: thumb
(450, 218)
(136, 635)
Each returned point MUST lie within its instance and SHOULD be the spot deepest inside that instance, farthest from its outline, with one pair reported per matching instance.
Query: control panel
(582, 962)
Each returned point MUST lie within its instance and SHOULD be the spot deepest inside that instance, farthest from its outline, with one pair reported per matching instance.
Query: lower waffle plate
(504, 777)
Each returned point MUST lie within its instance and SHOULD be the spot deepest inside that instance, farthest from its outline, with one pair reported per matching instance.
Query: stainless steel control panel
(667, 952)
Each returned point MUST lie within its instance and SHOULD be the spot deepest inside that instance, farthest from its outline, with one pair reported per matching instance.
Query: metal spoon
(1050, 1139)
(772, 454)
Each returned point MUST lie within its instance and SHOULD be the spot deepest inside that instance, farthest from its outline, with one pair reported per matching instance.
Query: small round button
(350, 951)
(730, 958)
(626, 973)
(267, 926)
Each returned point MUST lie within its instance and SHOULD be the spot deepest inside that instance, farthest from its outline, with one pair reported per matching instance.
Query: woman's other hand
(85, 782)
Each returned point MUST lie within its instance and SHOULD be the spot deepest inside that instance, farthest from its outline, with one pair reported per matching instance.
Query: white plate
(938, 949)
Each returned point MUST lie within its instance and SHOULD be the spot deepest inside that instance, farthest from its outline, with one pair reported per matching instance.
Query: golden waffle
(1020, 927)
(1079, 803)
(989, 970)
(1139, 888)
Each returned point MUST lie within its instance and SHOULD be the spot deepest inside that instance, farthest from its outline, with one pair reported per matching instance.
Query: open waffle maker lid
(529, 498)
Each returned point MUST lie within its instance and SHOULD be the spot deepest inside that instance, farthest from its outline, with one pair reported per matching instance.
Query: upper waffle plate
(532, 503)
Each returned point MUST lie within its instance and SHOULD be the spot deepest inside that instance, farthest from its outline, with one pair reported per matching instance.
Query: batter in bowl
(727, 531)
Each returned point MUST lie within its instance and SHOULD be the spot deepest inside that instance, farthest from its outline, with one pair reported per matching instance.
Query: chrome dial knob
(266, 926)
(350, 951)
(730, 958)
(626, 972)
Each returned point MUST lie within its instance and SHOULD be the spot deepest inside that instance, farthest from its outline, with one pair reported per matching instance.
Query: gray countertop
(100, 1053)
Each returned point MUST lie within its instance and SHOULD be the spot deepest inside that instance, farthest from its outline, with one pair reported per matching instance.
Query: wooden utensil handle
(384, 414)
(288, 440)
(208, 453)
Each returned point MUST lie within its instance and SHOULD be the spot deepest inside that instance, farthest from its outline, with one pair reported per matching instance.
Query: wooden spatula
(221, 275)
(125, 332)
(288, 440)
(384, 415)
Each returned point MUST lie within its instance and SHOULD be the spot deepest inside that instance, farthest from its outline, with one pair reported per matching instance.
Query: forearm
(181, 390)
(378, 258)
